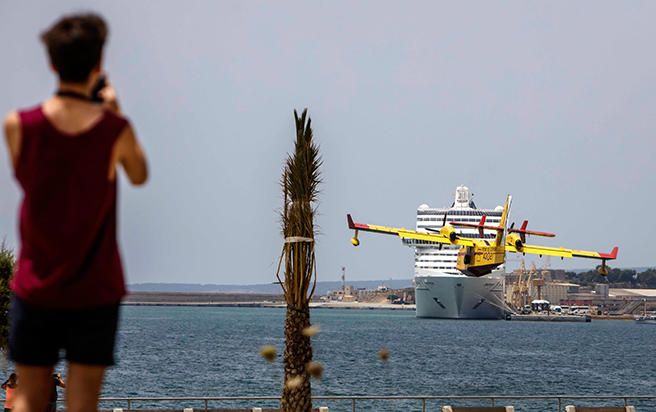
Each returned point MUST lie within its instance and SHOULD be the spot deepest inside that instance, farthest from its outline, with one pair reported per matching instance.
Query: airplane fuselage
(480, 260)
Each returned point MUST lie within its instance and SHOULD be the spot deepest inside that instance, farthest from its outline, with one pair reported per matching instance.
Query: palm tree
(300, 181)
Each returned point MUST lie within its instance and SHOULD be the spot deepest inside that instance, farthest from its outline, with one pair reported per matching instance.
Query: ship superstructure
(441, 291)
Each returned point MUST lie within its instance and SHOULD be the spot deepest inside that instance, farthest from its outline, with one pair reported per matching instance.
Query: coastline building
(614, 301)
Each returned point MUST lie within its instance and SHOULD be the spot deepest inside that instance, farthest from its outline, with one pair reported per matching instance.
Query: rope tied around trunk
(298, 239)
(286, 244)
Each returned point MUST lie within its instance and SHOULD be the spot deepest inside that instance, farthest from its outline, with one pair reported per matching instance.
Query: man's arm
(13, 137)
(131, 156)
(128, 151)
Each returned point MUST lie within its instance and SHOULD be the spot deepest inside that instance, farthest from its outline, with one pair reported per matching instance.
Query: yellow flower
(311, 330)
(294, 382)
(268, 352)
(314, 369)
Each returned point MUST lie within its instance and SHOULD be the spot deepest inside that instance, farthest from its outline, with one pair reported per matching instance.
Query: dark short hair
(75, 44)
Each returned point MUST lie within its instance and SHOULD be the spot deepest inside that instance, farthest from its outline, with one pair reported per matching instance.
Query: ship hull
(459, 297)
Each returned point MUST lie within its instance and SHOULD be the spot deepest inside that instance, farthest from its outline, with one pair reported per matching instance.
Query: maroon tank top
(69, 255)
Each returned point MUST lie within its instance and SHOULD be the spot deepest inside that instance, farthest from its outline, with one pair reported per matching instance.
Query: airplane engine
(513, 239)
(449, 232)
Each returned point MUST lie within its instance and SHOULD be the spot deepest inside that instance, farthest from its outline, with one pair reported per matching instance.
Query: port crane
(516, 295)
(478, 257)
(541, 281)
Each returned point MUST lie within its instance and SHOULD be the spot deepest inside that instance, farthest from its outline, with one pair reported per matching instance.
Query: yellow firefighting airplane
(478, 257)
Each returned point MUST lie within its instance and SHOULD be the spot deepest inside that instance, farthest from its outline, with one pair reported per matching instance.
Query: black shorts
(36, 334)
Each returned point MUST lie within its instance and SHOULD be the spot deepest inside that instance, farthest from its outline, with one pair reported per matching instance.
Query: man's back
(69, 256)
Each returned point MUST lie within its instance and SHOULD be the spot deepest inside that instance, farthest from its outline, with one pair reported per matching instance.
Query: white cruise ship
(441, 291)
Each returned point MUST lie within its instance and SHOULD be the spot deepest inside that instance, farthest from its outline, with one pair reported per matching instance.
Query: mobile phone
(95, 92)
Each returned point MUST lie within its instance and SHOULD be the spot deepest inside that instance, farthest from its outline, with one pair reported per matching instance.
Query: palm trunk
(298, 352)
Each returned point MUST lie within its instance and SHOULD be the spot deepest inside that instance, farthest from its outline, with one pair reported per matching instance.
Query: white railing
(421, 400)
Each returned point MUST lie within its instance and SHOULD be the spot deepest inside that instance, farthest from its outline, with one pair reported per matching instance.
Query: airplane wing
(562, 252)
(407, 234)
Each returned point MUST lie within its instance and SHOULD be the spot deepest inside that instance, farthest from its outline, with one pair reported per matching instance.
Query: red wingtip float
(603, 269)
(351, 224)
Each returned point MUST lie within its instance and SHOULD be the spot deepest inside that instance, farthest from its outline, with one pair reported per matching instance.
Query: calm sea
(194, 351)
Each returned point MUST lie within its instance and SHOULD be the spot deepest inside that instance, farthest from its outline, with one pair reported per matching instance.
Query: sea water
(213, 351)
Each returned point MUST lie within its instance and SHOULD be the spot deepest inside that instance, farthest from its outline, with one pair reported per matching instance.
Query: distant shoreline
(246, 300)
(279, 305)
(323, 287)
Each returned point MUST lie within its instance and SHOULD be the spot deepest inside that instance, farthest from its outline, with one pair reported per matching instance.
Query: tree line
(7, 263)
(617, 278)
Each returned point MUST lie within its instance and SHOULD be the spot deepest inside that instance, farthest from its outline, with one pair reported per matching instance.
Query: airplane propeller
(443, 224)
(438, 231)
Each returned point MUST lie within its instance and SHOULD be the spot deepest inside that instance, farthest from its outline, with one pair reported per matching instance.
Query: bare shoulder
(127, 136)
(12, 121)
(12, 129)
(13, 136)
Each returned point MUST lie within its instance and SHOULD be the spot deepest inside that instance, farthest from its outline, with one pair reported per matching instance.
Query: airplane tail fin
(504, 220)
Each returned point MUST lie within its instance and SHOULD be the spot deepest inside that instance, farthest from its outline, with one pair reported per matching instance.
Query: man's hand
(110, 100)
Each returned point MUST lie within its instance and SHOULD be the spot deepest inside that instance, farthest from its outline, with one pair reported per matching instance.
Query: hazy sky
(553, 102)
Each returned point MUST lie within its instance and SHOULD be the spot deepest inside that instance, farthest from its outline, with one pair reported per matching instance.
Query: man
(57, 381)
(10, 388)
(69, 279)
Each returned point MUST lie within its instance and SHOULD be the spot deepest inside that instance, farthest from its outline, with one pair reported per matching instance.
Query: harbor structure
(523, 285)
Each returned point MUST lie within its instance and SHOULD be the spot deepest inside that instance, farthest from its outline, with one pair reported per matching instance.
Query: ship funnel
(463, 197)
